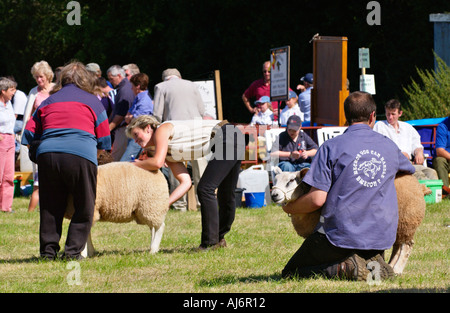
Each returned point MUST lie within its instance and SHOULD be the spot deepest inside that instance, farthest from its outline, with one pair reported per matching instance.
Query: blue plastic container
(254, 199)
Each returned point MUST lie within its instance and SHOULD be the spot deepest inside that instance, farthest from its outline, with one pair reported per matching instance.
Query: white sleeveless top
(190, 139)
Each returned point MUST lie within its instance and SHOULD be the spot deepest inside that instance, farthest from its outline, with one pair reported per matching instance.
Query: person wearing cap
(291, 108)
(304, 98)
(264, 114)
(294, 148)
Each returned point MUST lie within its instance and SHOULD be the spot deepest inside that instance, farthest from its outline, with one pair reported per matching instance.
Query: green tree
(431, 96)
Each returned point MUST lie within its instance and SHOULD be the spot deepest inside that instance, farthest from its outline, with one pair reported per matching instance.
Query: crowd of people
(66, 123)
(265, 111)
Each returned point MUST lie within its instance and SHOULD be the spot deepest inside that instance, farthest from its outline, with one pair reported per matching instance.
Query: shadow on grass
(99, 254)
(230, 279)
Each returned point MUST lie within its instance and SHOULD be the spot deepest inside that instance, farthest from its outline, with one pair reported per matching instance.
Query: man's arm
(247, 104)
(307, 203)
(441, 152)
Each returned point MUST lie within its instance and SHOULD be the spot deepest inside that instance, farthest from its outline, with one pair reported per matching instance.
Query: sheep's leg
(88, 250)
(399, 257)
(156, 238)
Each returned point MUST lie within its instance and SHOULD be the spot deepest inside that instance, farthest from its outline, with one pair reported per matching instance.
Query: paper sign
(367, 83)
(364, 58)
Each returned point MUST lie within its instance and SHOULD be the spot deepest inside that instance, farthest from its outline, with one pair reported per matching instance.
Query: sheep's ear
(302, 174)
(277, 170)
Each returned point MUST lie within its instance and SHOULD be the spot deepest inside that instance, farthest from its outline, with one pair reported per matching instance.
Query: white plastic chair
(271, 136)
(325, 133)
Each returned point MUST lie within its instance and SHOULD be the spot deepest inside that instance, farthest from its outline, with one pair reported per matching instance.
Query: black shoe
(65, 257)
(47, 258)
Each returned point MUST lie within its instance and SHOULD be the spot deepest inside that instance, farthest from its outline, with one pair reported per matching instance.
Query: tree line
(233, 36)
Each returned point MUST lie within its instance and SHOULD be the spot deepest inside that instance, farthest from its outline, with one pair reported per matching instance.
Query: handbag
(32, 150)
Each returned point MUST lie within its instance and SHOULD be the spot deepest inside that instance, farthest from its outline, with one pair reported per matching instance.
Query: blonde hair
(142, 121)
(43, 68)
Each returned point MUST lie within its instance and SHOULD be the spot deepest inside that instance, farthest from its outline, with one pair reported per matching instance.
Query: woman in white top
(173, 143)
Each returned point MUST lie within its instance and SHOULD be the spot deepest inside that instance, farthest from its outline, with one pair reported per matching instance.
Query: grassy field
(259, 245)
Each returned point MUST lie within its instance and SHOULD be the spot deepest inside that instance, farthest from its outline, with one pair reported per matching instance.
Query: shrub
(430, 97)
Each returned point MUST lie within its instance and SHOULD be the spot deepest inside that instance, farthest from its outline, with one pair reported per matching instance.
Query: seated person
(349, 234)
(403, 134)
(293, 147)
(291, 108)
(441, 163)
(264, 114)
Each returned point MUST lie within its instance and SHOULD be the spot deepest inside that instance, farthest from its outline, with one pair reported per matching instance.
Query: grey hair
(116, 70)
(6, 83)
(170, 72)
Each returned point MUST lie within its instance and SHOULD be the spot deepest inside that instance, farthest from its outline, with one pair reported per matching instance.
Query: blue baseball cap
(263, 99)
(308, 78)
(292, 94)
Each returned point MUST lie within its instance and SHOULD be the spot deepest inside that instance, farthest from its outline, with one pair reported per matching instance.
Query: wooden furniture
(330, 80)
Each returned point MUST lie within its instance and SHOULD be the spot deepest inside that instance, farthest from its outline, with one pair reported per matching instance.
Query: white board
(208, 92)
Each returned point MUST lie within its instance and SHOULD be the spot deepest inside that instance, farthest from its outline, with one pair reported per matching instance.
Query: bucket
(238, 193)
(254, 199)
(255, 179)
(436, 188)
(17, 187)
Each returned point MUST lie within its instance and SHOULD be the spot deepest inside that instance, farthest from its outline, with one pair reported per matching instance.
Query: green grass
(259, 245)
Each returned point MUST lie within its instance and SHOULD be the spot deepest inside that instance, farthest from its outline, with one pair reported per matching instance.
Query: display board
(211, 95)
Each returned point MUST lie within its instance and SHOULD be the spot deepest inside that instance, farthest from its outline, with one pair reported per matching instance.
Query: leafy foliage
(430, 97)
(233, 36)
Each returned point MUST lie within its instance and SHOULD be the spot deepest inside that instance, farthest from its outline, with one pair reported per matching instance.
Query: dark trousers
(61, 174)
(217, 221)
(318, 256)
(221, 173)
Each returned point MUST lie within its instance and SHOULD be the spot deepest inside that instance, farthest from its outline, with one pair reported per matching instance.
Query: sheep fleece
(126, 192)
(411, 206)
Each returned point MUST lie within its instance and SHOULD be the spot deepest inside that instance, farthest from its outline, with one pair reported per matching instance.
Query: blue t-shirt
(443, 135)
(358, 169)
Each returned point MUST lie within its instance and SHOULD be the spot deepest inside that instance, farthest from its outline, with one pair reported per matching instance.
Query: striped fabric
(70, 121)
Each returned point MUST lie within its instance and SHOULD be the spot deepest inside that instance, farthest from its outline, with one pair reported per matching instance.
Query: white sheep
(288, 186)
(126, 193)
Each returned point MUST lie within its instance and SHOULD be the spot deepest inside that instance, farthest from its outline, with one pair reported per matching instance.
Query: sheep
(288, 186)
(126, 193)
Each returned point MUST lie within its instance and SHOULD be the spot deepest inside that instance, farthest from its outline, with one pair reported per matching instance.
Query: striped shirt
(70, 121)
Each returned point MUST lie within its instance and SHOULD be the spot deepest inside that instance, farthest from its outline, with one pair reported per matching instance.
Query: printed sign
(364, 58)
(279, 74)
(367, 83)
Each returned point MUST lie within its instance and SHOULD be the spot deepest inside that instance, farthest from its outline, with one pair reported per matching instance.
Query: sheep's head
(288, 186)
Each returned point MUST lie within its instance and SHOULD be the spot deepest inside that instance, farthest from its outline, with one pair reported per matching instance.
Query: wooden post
(192, 199)
(218, 95)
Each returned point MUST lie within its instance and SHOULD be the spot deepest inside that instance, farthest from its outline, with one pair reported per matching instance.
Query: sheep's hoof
(399, 257)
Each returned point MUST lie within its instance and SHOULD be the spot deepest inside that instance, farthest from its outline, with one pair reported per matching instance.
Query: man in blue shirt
(352, 180)
(441, 163)
(304, 98)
